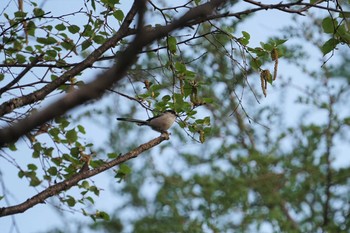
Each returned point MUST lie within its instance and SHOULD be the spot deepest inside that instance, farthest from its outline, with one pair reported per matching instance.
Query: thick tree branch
(105, 80)
(67, 184)
(279, 6)
(40, 94)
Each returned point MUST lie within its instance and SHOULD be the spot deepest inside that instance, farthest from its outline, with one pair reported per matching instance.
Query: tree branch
(40, 94)
(67, 184)
(103, 81)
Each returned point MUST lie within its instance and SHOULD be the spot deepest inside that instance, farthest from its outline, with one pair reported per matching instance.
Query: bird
(160, 123)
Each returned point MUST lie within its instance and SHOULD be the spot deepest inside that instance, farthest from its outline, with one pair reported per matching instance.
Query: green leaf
(51, 53)
(73, 29)
(57, 48)
(86, 44)
(57, 161)
(21, 174)
(99, 39)
(48, 151)
(12, 147)
(41, 40)
(20, 58)
(71, 136)
(208, 100)
(20, 14)
(112, 155)
(280, 41)
(2, 76)
(87, 30)
(103, 215)
(255, 64)
(346, 121)
(52, 171)
(245, 39)
(46, 40)
(71, 201)
(172, 44)
(81, 129)
(93, 4)
(343, 34)
(111, 2)
(197, 2)
(17, 45)
(180, 67)
(119, 15)
(122, 172)
(32, 167)
(246, 35)
(68, 45)
(31, 28)
(124, 169)
(34, 181)
(267, 47)
(329, 46)
(36, 154)
(95, 190)
(63, 122)
(38, 12)
(37, 146)
(48, 27)
(85, 184)
(75, 151)
(329, 25)
(54, 132)
(90, 199)
(60, 27)
(166, 98)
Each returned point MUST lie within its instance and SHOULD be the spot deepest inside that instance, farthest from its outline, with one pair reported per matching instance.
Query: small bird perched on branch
(160, 123)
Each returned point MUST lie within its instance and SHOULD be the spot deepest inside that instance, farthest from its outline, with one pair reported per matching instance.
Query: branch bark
(67, 184)
(40, 94)
(104, 81)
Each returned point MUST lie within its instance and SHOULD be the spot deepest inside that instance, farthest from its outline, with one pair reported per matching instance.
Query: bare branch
(104, 81)
(40, 94)
(21, 75)
(67, 184)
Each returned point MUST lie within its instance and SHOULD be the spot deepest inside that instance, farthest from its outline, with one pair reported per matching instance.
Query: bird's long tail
(139, 122)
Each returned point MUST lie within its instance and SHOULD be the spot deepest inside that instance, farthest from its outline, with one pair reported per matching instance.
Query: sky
(44, 217)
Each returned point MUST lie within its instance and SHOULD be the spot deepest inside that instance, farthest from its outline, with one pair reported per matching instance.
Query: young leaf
(329, 46)
(71, 136)
(329, 25)
(81, 129)
(124, 169)
(73, 29)
(172, 44)
(99, 39)
(246, 35)
(52, 171)
(71, 201)
(32, 167)
(86, 44)
(38, 12)
(119, 15)
(60, 27)
(103, 215)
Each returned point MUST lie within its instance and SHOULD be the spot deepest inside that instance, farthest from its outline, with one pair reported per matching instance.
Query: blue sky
(43, 217)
